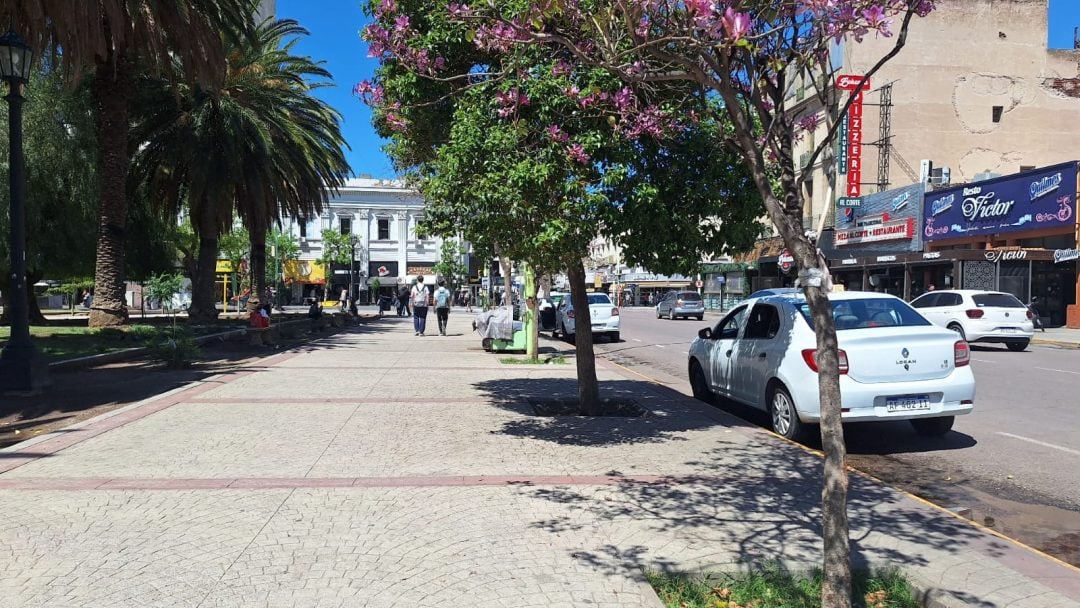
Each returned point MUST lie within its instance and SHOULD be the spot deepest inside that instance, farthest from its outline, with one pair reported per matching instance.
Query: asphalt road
(1013, 464)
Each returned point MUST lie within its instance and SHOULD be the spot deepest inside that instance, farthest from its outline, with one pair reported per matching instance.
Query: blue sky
(335, 38)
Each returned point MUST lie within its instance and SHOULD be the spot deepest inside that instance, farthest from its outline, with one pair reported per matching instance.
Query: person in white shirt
(442, 306)
(419, 297)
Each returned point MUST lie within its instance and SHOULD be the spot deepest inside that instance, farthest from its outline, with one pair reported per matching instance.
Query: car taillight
(569, 314)
(614, 312)
(809, 355)
(1030, 315)
(973, 313)
(961, 353)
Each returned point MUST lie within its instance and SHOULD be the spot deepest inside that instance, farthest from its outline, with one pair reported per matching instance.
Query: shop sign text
(884, 231)
(1066, 255)
(1005, 255)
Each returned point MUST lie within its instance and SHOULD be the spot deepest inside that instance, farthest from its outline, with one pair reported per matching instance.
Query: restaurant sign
(1042, 198)
(883, 231)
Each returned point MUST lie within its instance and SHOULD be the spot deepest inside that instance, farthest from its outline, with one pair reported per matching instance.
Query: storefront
(382, 279)
(725, 283)
(880, 227)
(304, 280)
(1017, 223)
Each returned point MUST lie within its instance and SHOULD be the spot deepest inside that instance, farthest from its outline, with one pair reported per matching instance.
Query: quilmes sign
(1042, 198)
(1066, 255)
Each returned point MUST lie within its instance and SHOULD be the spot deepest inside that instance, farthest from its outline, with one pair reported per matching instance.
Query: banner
(885, 231)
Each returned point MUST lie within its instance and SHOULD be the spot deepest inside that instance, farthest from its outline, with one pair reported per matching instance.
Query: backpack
(420, 296)
(442, 297)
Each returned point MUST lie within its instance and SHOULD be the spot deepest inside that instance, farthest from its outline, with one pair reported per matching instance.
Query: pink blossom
(561, 68)
(458, 10)
(735, 24)
(401, 23)
(875, 16)
(577, 153)
(556, 134)
(809, 123)
(623, 99)
(642, 29)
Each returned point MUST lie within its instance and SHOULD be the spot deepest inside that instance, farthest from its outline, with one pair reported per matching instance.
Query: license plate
(1008, 330)
(908, 403)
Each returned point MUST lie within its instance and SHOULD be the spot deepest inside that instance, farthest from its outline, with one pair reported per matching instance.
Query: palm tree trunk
(111, 89)
(588, 388)
(203, 283)
(257, 235)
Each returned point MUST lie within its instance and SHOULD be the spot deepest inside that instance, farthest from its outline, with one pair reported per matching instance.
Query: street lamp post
(352, 264)
(22, 368)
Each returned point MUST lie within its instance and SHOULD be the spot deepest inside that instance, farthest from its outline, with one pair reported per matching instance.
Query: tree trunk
(204, 284)
(257, 235)
(532, 340)
(111, 89)
(508, 288)
(32, 309)
(588, 388)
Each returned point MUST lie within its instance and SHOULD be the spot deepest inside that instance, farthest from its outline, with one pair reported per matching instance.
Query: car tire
(1018, 345)
(958, 329)
(671, 314)
(699, 317)
(615, 336)
(699, 384)
(933, 427)
(784, 416)
(658, 315)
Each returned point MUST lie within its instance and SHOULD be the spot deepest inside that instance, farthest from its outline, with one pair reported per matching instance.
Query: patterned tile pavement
(376, 468)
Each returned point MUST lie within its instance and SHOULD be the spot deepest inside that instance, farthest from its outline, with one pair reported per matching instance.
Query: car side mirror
(705, 333)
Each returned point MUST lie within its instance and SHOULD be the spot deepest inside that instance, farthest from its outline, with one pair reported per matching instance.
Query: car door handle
(728, 353)
(761, 356)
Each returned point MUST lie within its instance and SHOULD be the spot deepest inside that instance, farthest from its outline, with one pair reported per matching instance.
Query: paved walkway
(376, 468)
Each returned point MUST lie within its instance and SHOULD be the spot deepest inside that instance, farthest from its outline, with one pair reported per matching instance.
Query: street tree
(748, 55)
(337, 250)
(235, 247)
(281, 247)
(450, 265)
(260, 145)
(115, 40)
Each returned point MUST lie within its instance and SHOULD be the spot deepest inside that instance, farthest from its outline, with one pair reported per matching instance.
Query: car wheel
(1017, 345)
(699, 317)
(671, 314)
(933, 427)
(785, 419)
(958, 329)
(699, 385)
(615, 337)
(658, 315)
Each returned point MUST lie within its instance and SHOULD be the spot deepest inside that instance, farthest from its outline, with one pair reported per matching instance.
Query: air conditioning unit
(925, 167)
(940, 177)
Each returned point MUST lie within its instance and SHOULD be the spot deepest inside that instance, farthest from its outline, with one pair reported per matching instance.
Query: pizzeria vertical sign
(851, 132)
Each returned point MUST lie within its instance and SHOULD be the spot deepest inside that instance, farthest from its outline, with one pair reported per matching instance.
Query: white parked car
(980, 316)
(604, 314)
(894, 364)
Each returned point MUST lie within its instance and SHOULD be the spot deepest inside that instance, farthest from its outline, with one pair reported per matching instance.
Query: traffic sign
(699, 283)
(786, 260)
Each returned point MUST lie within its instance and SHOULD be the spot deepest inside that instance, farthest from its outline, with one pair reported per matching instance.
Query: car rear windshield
(599, 298)
(690, 296)
(871, 312)
(997, 300)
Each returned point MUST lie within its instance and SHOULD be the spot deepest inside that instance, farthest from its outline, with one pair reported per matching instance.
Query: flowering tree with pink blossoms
(742, 60)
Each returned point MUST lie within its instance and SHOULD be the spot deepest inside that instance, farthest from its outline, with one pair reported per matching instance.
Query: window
(728, 329)
(689, 296)
(346, 225)
(927, 301)
(996, 113)
(599, 298)
(764, 323)
(303, 229)
(869, 312)
(950, 299)
(384, 229)
(997, 300)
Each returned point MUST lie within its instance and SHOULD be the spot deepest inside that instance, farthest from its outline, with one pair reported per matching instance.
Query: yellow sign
(224, 267)
(598, 280)
(304, 272)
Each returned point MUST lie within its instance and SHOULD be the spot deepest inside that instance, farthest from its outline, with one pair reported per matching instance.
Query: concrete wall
(965, 58)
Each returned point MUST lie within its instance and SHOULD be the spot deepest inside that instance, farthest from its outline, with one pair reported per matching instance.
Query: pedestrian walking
(419, 296)
(466, 299)
(403, 302)
(1035, 320)
(442, 306)
(315, 314)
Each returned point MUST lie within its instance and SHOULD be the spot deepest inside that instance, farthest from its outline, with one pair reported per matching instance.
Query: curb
(1057, 343)
(128, 353)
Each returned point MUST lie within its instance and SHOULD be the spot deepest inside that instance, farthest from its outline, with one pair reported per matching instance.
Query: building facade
(383, 215)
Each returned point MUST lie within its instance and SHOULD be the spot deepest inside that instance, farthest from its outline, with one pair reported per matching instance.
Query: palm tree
(111, 37)
(261, 145)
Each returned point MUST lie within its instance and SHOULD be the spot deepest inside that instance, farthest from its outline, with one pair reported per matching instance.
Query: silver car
(684, 304)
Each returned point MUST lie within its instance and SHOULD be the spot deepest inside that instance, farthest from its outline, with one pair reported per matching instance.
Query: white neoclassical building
(383, 214)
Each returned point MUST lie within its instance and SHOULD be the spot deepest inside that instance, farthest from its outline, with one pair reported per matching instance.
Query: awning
(307, 272)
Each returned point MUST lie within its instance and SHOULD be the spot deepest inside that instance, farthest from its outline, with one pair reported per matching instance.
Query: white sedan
(980, 316)
(894, 364)
(603, 313)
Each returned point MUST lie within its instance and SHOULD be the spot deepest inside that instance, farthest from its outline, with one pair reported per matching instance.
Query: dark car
(684, 304)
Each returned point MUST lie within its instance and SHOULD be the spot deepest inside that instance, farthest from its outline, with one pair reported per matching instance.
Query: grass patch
(556, 360)
(774, 587)
(61, 342)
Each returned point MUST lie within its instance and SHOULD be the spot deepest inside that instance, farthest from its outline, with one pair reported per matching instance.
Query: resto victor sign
(1043, 198)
